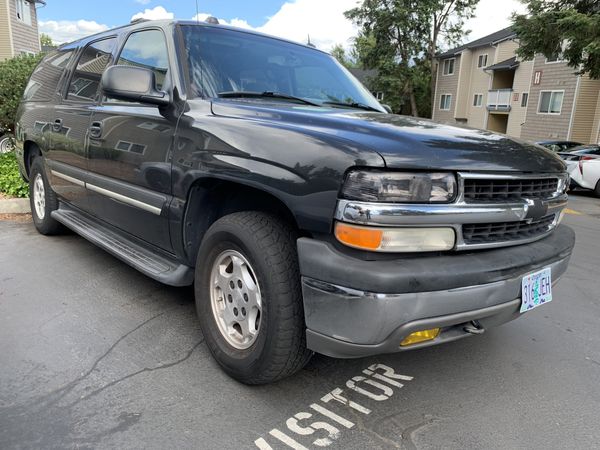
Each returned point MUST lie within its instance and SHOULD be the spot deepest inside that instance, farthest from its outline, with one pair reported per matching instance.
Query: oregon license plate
(536, 289)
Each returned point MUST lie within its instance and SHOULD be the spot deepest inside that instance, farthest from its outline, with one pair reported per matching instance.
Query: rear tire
(597, 190)
(42, 200)
(6, 144)
(249, 299)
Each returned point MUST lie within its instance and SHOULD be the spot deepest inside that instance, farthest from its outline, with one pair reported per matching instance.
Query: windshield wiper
(266, 94)
(355, 105)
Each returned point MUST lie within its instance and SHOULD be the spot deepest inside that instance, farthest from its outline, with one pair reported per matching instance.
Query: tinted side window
(86, 78)
(147, 49)
(46, 76)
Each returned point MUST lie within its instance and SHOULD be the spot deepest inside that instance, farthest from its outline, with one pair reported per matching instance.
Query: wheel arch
(210, 199)
(30, 151)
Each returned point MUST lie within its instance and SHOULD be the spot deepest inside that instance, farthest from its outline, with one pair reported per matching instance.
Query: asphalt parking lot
(95, 355)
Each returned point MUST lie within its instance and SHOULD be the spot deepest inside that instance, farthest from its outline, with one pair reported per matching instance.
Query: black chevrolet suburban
(307, 218)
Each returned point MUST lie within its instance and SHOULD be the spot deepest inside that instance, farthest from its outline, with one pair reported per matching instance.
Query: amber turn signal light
(358, 237)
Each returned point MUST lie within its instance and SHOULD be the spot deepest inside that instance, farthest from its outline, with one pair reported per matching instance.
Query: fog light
(420, 336)
(395, 239)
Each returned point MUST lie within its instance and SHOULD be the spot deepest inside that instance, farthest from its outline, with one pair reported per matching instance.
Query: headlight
(400, 187)
(395, 240)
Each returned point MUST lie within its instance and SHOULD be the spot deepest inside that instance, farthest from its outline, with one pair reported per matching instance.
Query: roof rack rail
(139, 20)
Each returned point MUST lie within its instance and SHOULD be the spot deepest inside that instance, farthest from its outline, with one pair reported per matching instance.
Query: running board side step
(153, 264)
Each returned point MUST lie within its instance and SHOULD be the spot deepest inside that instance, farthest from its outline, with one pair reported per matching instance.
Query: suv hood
(404, 142)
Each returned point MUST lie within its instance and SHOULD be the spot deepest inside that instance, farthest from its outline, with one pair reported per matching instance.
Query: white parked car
(586, 174)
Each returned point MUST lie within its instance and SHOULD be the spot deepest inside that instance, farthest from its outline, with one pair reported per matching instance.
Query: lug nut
(235, 311)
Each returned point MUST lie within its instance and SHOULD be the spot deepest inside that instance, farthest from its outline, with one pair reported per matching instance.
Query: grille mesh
(492, 191)
(488, 233)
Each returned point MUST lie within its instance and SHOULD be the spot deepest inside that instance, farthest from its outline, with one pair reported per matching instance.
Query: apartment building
(19, 27)
(483, 84)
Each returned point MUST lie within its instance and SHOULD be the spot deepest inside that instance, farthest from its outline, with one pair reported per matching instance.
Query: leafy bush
(11, 182)
(14, 74)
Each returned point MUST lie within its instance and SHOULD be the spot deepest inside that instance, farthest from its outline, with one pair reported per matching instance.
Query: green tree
(14, 74)
(46, 40)
(567, 27)
(339, 53)
(400, 38)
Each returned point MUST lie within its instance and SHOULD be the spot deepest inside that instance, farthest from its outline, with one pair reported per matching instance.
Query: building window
(551, 102)
(524, 99)
(554, 58)
(379, 96)
(23, 11)
(478, 100)
(125, 146)
(445, 102)
(449, 66)
(482, 61)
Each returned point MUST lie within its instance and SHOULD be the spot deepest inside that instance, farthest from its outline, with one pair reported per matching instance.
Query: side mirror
(133, 84)
(388, 108)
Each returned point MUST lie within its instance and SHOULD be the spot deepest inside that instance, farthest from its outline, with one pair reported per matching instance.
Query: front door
(69, 122)
(129, 182)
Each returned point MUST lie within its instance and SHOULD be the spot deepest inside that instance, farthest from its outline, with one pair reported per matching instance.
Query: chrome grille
(491, 233)
(508, 190)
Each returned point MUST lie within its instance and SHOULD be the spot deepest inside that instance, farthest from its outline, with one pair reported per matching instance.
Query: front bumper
(356, 308)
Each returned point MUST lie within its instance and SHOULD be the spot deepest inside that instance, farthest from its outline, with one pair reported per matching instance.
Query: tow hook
(474, 328)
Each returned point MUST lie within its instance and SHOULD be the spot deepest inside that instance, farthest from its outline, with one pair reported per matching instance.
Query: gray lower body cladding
(355, 308)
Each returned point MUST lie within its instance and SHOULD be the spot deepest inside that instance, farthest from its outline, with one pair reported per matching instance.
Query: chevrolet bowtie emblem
(535, 209)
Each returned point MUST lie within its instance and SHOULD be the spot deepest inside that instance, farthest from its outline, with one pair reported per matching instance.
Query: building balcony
(499, 100)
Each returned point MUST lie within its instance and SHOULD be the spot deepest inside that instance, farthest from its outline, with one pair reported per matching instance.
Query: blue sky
(323, 20)
(117, 12)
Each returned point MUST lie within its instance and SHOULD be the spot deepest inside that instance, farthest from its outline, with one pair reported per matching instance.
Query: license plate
(536, 289)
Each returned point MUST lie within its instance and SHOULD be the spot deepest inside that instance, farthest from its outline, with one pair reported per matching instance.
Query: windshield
(225, 61)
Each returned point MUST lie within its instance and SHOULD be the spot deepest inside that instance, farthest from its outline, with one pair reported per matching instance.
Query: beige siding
(447, 84)
(505, 50)
(464, 81)
(480, 84)
(555, 76)
(582, 129)
(518, 114)
(25, 37)
(596, 125)
(5, 38)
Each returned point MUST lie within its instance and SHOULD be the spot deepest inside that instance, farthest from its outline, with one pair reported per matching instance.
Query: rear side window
(147, 49)
(47, 75)
(92, 62)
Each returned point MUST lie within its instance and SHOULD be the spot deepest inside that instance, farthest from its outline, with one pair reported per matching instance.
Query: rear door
(129, 150)
(69, 121)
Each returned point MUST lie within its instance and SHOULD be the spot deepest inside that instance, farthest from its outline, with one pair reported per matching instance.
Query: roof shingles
(490, 39)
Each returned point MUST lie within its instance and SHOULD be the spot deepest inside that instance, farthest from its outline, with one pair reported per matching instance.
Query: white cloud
(62, 31)
(323, 20)
(240, 23)
(143, 2)
(156, 13)
(491, 16)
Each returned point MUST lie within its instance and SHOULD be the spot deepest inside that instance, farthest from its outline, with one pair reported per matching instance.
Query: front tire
(249, 299)
(42, 200)
(597, 190)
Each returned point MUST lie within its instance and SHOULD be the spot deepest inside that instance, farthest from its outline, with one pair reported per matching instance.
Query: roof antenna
(197, 13)
(310, 44)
